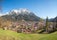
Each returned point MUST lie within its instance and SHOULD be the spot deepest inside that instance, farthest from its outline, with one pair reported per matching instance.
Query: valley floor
(10, 35)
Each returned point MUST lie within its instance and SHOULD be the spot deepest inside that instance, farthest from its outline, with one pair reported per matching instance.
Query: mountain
(20, 14)
(53, 19)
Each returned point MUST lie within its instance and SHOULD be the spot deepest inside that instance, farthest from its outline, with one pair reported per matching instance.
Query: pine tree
(46, 24)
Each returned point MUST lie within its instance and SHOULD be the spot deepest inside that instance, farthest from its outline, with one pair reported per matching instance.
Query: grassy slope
(10, 35)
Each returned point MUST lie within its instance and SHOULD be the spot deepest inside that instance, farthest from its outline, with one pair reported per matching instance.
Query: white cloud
(1, 14)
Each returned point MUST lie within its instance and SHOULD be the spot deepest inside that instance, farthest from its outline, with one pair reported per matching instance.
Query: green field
(10, 35)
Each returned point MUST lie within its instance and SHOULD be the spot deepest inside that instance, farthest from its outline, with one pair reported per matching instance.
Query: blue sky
(41, 8)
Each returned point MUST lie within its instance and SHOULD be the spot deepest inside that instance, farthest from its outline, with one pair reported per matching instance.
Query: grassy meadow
(10, 35)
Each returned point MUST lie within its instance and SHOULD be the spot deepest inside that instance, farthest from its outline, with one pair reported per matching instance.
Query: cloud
(1, 14)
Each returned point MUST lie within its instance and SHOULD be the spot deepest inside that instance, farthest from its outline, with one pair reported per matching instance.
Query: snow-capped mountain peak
(19, 14)
(20, 11)
(24, 10)
(16, 11)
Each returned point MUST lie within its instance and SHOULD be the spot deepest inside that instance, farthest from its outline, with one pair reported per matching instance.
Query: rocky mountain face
(20, 14)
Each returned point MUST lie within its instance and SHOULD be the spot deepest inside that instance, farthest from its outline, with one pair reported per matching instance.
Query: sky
(41, 8)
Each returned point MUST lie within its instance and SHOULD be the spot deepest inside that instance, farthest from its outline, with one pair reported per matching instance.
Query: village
(28, 26)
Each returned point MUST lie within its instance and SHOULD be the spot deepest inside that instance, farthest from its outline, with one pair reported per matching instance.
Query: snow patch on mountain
(20, 11)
